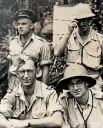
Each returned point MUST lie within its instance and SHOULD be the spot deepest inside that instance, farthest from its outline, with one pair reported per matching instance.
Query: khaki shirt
(88, 53)
(72, 116)
(42, 103)
(36, 48)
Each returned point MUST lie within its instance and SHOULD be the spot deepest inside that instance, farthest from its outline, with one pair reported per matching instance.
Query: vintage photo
(51, 64)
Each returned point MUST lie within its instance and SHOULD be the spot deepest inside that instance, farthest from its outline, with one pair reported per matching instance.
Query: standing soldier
(28, 45)
(84, 45)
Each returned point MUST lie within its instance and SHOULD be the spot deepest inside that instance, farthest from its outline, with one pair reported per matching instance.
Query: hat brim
(62, 84)
(85, 16)
(24, 16)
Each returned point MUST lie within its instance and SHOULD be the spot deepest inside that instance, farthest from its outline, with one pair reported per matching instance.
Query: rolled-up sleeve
(53, 104)
(6, 105)
(45, 54)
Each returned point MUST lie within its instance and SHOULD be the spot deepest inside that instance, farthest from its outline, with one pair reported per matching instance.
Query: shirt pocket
(19, 109)
(73, 124)
(32, 53)
(39, 114)
(92, 55)
(39, 109)
(74, 52)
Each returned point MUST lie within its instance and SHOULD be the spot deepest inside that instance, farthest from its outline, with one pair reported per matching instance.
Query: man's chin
(77, 95)
(21, 33)
(27, 84)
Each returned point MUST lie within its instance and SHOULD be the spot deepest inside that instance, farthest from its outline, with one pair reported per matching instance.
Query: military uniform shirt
(72, 116)
(42, 103)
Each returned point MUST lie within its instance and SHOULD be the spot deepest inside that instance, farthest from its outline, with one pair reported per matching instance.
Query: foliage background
(7, 10)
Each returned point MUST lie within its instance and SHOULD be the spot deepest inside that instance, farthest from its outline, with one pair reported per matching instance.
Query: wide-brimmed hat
(82, 11)
(75, 71)
(25, 13)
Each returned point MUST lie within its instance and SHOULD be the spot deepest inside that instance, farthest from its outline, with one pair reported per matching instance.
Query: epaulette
(97, 94)
(15, 37)
(40, 38)
(99, 34)
(9, 90)
(45, 87)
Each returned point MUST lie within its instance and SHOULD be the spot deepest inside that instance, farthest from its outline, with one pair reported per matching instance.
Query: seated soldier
(31, 104)
(83, 107)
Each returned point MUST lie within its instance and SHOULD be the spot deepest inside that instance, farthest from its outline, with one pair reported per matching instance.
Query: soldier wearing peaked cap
(84, 45)
(82, 106)
(28, 44)
(25, 13)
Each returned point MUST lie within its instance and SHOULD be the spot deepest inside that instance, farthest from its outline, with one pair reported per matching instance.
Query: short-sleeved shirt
(43, 103)
(88, 53)
(36, 48)
(72, 115)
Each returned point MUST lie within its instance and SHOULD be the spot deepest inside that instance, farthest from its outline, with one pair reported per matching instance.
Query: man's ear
(32, 26)
(87, 84)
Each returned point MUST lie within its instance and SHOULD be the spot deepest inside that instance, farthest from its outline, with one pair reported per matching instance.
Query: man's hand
(13, 123)
(71, 25)
(61, 44)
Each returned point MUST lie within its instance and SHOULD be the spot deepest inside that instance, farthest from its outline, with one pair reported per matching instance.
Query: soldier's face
(24, 26)
(27, 74)
(77, 87)
(83, 24)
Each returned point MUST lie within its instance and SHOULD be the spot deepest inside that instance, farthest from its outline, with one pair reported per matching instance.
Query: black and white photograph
(51, 64)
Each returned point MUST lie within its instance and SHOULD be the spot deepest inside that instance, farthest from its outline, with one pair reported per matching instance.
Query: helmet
(82, 11)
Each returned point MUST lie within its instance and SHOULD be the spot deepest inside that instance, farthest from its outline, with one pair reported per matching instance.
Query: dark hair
(22, 62)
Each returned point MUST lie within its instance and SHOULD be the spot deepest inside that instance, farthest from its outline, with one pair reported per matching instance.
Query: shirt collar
(89, 101)
(31, 38)
(37, 91)
(65, 94)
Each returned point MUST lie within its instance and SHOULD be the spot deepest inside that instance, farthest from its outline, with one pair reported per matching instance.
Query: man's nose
(20, 25)
(75, 86)
(26, 74)
(82, 23)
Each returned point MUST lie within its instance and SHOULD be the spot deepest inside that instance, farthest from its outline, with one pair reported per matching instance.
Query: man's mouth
(77, 92)
(26, 81)
(20, 30)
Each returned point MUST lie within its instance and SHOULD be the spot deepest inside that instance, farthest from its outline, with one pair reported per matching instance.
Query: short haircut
(23, 62)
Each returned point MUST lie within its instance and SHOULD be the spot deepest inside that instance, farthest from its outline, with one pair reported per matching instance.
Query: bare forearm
(3, 121)
(45, 77)
(60, 46)
(55, 120)
(46, 122)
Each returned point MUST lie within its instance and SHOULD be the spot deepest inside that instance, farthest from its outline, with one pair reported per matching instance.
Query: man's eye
(30, 71)
(22, 71)
(79, 82)
(24, 23)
